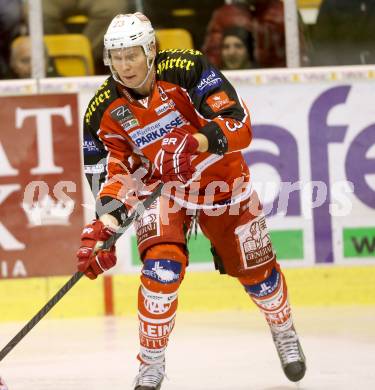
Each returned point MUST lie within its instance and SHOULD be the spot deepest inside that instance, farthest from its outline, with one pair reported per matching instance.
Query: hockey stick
(78, 275)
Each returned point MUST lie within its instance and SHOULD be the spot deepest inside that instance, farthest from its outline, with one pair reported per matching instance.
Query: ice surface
(207, 351)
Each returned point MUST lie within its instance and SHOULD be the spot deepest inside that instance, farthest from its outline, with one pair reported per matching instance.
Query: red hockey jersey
(123, 133)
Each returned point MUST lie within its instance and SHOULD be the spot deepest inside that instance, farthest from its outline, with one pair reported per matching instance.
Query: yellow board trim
(200, 291)
(308, 3)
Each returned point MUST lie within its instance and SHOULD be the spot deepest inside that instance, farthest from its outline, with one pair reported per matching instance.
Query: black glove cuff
(217, 141)
(108, 205)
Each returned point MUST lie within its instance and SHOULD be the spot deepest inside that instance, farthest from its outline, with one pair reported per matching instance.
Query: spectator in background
(11, 24)
(345, 33)
(264, 19)
(99, 14)
(191, 15)
(20, 60)
(237, 49)
(224, 17)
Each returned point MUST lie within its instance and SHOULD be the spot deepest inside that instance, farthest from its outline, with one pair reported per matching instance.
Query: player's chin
(130, 82)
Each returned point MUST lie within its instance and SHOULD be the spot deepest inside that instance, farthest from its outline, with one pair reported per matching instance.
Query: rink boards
(313, 129)
(200, 292)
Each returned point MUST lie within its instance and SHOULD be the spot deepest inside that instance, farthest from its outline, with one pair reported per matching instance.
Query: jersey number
(234, 127)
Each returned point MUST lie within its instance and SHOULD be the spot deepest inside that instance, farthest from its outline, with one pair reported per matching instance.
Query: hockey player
(173, 117)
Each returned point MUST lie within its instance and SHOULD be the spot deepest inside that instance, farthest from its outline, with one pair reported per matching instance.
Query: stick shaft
(78, 275)
(138, 211)
(41, 313)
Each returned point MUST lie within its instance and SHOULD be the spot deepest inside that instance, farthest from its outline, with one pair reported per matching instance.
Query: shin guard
(157, 300)
(271, 297)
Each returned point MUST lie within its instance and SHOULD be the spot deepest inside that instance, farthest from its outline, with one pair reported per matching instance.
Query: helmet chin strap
(150, 69)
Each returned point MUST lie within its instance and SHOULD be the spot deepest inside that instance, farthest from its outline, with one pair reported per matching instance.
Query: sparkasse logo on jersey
(210, 79)
(156, 130)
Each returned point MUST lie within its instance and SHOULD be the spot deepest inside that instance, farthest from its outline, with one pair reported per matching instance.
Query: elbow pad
(217, 141)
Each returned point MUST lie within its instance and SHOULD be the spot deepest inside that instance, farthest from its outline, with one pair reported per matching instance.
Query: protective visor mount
(128, 31)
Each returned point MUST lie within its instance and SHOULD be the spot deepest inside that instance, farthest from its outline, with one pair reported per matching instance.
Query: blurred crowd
(236, 34)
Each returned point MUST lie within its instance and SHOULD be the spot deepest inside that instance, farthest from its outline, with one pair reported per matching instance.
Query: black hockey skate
(150, 377)
(290, 352)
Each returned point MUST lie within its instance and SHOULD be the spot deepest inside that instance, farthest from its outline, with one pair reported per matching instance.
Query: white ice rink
(221, 351)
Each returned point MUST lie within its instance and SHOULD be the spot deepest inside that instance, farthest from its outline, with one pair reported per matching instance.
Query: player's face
(234, 53)
(130, 64)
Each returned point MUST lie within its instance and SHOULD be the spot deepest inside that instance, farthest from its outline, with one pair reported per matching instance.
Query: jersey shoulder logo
(209, 80)
(219, 101)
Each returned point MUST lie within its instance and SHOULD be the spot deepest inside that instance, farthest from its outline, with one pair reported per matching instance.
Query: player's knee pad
(267, 288)
(270, 293)
(163, 268)
(162, 272)
(259, 274)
